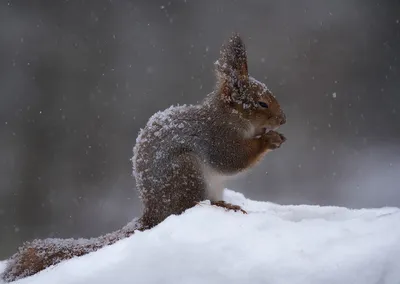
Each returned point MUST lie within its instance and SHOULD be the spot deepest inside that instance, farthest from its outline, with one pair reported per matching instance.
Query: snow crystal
(271, 244)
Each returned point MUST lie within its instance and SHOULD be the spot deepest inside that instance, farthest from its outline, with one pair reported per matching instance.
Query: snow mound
(272, 244)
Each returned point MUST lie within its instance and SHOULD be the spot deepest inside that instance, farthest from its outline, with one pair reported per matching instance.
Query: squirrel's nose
(283, 119)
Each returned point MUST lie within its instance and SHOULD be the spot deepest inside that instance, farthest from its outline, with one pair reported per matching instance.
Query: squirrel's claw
(228, 206)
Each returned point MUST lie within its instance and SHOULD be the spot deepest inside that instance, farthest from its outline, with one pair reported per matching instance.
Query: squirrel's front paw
(273, 139)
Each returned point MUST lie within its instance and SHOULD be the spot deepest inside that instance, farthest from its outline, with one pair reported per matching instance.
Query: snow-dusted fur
(184, 153)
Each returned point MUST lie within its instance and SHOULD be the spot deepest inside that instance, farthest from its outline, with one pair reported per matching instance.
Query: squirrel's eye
(262, 104)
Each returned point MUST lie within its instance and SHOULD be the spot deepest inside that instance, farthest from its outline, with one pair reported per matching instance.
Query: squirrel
(183, 156)
(185, 153)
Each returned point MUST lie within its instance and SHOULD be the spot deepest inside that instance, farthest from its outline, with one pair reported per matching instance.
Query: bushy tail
(37, 255)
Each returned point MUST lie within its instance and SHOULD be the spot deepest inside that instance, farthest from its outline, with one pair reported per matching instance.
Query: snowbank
(272, 244)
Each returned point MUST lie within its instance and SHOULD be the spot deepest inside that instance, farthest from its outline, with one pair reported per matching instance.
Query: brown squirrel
(184, 153)
(183, 156)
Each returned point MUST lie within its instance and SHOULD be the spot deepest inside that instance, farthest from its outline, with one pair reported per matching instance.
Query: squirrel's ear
(232, 65)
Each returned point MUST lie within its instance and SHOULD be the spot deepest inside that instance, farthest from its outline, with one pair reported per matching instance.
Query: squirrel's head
(243, 93)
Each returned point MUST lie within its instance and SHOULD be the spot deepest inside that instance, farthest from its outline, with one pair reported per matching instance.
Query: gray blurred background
(79, 78)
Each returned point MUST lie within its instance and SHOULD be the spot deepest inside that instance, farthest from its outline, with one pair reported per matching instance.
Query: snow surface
(273, 244)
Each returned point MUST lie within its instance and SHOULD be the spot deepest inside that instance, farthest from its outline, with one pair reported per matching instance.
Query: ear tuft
(232, 64)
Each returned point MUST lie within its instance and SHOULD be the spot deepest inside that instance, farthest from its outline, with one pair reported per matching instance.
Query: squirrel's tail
(37, 255)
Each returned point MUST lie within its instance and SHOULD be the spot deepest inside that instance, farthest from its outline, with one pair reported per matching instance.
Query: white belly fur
(215, 184)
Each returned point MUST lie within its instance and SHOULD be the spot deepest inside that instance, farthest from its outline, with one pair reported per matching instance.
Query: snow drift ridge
(272, 244)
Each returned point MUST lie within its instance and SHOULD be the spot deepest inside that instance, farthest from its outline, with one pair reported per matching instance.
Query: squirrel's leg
(182, 187)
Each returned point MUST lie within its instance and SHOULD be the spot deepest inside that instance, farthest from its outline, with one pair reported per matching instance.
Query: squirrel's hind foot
(228, 206)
